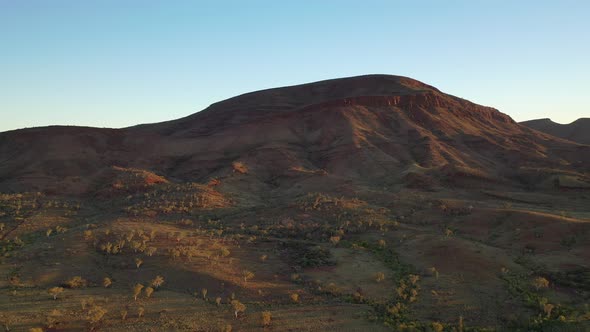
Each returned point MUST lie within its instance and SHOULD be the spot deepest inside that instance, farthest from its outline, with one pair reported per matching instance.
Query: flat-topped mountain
(577, 131)
(370, 128)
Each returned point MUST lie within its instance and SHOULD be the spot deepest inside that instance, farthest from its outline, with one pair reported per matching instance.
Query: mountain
(375, 128)
(370, 203)
(577, 131)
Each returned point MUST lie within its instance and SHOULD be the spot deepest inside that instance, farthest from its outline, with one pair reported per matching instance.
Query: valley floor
(182, 258)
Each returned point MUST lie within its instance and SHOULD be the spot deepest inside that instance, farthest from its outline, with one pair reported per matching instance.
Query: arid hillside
(577, 131)
(367, 203)
(376, 129)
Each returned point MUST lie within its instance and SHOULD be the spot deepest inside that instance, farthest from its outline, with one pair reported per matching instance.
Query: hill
(371, 128)
(365, 203)
(577, 131)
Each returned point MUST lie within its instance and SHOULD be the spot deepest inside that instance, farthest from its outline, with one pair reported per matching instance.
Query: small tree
(247, 275)
(238, 307)
(55, 291)
(123, 314)
(149, 291)
(138, 262)
(137, 290)
(294, 297)
(107, 282)
(266, 318)
(158, 281)
(218, 301)
(204, 293)
(140, 312)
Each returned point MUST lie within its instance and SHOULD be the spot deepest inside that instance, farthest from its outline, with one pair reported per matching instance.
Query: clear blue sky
(115, 63)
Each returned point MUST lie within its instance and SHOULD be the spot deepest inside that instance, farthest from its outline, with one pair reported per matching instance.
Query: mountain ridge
(576, 131)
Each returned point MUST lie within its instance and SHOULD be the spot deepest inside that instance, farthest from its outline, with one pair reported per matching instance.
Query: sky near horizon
(117, 63)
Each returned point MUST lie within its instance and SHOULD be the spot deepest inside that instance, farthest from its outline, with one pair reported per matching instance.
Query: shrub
(379, 276)
(95, 314)
(150, 251)
(53, 319)
(358, 297)
(308, 256)
(7, 320)
(540, 282)
(335, 239)
(224, 252)
(76, 282)
(266, 318)
(437, 327)
(240, 167)
(433, 271)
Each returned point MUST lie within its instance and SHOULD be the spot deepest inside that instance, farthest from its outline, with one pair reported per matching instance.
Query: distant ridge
(577, 131)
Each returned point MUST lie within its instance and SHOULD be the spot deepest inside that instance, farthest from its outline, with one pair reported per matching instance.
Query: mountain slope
(373, 129)
(577, 131)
